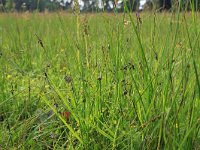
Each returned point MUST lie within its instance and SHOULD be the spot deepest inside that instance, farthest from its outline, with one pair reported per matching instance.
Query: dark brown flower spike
(39, 41)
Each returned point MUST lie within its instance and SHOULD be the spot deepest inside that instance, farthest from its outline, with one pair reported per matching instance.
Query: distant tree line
(93, 5)
(185, 4)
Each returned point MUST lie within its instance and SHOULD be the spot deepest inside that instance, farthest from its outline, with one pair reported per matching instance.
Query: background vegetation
(93, 5)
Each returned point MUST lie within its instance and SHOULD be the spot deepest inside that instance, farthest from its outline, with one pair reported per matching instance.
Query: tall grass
(128, 81)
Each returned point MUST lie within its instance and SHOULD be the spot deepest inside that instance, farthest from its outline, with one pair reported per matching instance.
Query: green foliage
(10, 5)
(128, 82)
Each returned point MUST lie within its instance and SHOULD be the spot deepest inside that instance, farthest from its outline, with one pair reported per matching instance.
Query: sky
(142, 2)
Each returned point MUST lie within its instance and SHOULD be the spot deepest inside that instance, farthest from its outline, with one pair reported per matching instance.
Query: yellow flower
(62, 50)
(8, 76)
(46, 86)
(176, 125)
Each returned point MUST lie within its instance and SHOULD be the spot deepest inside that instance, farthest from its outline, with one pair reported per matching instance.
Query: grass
(128, 82)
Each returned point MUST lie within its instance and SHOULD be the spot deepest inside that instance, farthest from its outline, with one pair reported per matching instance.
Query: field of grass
(100, 81)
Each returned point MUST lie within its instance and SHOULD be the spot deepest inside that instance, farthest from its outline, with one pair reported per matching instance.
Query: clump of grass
(127, 81)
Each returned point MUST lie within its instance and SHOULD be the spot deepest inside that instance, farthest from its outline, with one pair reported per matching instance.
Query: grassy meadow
(100, 81)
